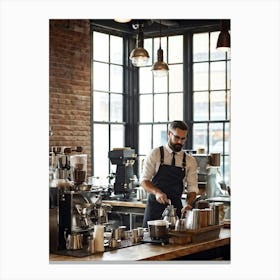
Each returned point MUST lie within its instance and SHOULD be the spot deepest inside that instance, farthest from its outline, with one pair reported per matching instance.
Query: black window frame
(131, 86)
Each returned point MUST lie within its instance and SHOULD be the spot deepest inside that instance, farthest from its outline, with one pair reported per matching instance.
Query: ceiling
(153, 27)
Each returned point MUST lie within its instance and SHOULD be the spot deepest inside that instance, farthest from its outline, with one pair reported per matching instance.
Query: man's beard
(175, 147)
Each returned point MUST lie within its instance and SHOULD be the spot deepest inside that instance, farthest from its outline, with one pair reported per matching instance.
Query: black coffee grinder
(124, 158)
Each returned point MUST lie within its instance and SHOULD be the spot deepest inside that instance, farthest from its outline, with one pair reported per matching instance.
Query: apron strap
(184, 161)
(161, 155)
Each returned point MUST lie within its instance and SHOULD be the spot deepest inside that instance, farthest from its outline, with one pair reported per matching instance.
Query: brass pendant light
(139, 56)
(160, 68)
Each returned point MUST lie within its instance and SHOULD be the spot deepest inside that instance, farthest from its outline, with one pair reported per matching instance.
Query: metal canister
(122, 229)
(210, 216)
(90, 247)
(189, 219)
(117, 232)
(113, 243)
(135, 236)
(195, 221)
(215, 208)
(140, 232)
(180, 225)
(203, 218)
(221, 211)
(127, 234)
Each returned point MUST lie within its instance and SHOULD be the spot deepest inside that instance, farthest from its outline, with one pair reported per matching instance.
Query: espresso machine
(209, 176)
(124, 183)
(210, 182)
(74, 218)
(78, 210)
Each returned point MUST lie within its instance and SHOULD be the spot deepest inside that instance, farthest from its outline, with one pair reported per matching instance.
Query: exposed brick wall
(69, 84)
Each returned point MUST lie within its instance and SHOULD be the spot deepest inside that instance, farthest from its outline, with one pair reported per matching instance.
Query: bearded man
(167, 171)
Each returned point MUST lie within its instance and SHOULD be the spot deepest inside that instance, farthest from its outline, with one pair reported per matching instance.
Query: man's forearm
(161, 197)
(150, 187)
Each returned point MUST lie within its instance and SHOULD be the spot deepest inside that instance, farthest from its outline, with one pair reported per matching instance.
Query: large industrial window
(161, 99)
(211, 98)
(108, 96)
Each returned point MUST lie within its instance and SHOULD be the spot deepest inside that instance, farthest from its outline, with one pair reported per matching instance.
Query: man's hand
(184, 209)
(161, 197)
(191, 196)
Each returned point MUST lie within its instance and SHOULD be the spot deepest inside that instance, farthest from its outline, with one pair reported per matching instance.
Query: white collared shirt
(152, 163)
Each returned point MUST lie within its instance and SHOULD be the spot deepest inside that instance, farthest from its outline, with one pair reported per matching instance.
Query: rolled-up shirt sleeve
(150, 166)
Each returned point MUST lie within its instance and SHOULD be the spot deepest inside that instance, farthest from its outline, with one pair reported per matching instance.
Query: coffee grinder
(124, 158)
(78, 165)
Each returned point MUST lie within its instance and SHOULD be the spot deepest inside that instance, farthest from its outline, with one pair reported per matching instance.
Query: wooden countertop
(136, 203)
(219, 199)
(148, 252)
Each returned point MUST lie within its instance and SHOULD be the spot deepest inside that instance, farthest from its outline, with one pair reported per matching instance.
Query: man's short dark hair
(178, 124)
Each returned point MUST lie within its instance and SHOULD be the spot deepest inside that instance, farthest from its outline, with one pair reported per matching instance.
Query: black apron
(169, 179)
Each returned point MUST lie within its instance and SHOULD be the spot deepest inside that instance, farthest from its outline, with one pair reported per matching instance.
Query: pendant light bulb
(122, 20)
(139, 57)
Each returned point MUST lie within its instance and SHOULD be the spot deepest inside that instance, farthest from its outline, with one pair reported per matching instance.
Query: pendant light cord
(160, 33)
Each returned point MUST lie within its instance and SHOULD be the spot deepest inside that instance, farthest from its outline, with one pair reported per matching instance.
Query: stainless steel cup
(90, 247)
(128, 237)
(74, 241)
(216, 212)
(117, 233)
(189, 219)
(113, 243)
(210, 216)
(135, 235)
(121, 231)
(126, 234)
(140, 232)
(180, 225)
(195, 221)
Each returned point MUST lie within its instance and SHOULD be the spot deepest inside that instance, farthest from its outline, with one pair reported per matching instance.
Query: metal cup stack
(199, 218)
